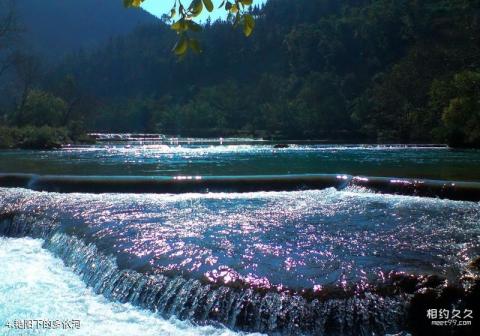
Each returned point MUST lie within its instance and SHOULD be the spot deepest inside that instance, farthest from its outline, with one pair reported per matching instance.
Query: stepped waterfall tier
(338, 262)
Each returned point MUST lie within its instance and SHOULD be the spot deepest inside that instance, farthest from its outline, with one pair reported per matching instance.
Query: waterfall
(243, 309)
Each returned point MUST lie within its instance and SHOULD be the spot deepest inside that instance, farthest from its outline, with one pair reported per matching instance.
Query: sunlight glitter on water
(246, 159)
(36, 285)
(296, 239)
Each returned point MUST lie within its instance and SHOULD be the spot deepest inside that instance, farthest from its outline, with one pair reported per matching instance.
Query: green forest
(379, 71)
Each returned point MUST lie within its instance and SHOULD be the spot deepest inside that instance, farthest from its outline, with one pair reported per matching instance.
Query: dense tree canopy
(8, 31)
(354, 70)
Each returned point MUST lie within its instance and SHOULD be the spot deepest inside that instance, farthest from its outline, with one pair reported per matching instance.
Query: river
(317, 254)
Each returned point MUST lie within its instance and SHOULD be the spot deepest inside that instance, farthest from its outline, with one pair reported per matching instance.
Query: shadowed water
(246, 159)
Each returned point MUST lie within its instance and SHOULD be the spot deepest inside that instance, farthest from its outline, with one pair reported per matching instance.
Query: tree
(236, 9)
(461, 115)
(324, 69)
(9, 30)
(28, 74)
(42, 109)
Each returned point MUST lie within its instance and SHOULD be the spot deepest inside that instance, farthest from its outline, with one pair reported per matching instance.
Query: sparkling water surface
(247, 159)
(36, 285)
(306, 239)
(296, 239)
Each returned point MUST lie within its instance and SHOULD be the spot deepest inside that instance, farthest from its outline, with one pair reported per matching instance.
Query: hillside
(354, 70)
(56, 27)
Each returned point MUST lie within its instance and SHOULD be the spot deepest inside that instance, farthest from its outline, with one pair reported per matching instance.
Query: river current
(321, 261)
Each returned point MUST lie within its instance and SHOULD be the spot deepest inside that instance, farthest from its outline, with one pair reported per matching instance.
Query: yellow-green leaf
(208, 5)
(180, 26)
(234, 8)
(248, 24)
(196, 7)
(181, 47)
(132, 3)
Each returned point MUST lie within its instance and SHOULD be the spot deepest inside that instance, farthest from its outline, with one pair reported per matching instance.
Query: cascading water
(337, 263)
(37, 285)
(244, 309)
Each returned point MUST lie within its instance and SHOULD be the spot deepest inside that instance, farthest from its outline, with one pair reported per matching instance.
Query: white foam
(36, 285)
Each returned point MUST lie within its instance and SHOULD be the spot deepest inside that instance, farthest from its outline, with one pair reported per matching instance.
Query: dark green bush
(7, 139)
(33, 137)
(44, 137)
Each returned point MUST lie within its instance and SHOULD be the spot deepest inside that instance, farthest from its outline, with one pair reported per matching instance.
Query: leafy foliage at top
(235, 8)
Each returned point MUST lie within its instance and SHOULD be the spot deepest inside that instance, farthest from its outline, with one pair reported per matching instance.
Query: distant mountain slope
(56, 27)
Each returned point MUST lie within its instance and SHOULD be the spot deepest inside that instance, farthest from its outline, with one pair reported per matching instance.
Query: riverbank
(42, 138)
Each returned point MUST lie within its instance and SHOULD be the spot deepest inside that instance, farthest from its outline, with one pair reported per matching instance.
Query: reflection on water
(234, 259)
(247, 159)
(294, 239)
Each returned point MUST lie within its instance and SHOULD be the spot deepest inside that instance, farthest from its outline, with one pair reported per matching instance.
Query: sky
(159, 7)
